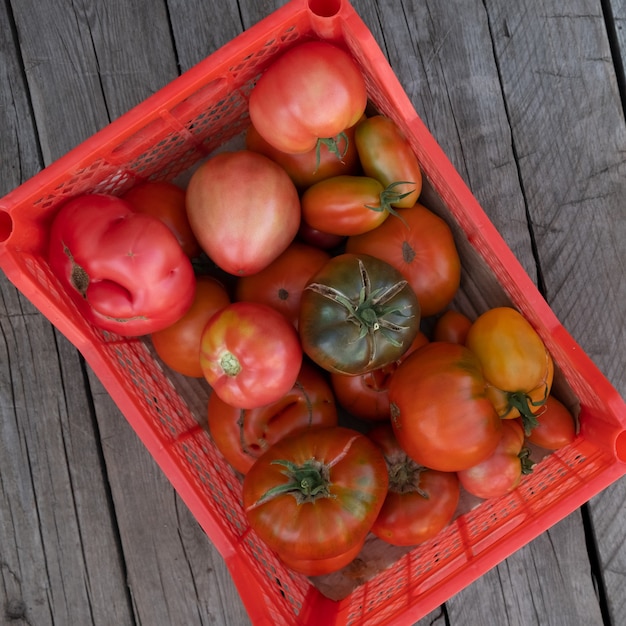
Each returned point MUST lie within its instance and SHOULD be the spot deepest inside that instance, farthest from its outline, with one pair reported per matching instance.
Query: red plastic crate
(163, 138)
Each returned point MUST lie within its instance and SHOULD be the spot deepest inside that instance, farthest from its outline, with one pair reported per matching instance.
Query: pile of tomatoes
(327, 265)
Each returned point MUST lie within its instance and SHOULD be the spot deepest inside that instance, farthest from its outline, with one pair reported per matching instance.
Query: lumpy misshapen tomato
(313, 92)
(314, 495)
(243, 435)
(439, 411)
(124, 270)
(250, 354)
(357, 314)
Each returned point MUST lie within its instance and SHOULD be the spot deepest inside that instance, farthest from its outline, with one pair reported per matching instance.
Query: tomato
(421, 247)
(513, 357)
(319, 567)
(555, 428)
(439, 411)
(313, 91)
(124, 270)
(315, 494)
(357, 314)
(318, 238)
(452, 326)
(243, 209)
(420, 502)
(166, 201)
(501, 472)
(366, 396)
(386, 155)
(308, 168)
(242, 435)
(280, 284)
(250, 354)
(347, 205)
(511, 405)
(178, 345)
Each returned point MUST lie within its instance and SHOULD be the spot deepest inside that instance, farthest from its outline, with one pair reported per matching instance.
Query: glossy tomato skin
(357, 314)
(124, 270)
(502, 471)
(350, 484)
(421, 247)
(250, 354)
(166, 201)
(243, 209)
(178, 345)
(281, 283)
(366, 396)
(242, 435)
(307, 168)
(439, 411)
(386, 155)
(452, 326)
(420, 502)
(320, 567)
(556, 427)
(314, 90)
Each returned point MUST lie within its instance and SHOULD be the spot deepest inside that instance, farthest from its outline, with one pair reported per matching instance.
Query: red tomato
(452, 326)
(315, 494)
(243, 209)
(124, 270)
(308, 168)
(250, 354)
(421, 247)
(166, 201)
(501, 472)
(178, 345)
(366, 396)
(347, 205)
(313, 91)
(386, 155)
(281, 283)
(420, 502)
(242, 435)
(319, 567)
(439, 411)
(317, 238)
(555, 428)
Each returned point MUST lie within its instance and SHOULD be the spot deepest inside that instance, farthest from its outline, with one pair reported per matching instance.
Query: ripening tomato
(366, 396)
(512, 355)
(308, 168)
(439, 411)
(420, 245)
(555, 427)
(386, 155)
(502, 471)
(318, 238)
(124, 270)
(357, 314)
(319, 567)
(166, 201)
(280, 284)
(250, 354)
(347, 205)
(178, 345)
(420, 502)
(452, 326)
(243, 209)
(313, 92)
(242, 435)
(315, 494)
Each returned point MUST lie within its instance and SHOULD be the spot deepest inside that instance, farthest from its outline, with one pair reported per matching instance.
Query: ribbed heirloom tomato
(310, 94)
(250, 354)
(314, 495)
(439, 411)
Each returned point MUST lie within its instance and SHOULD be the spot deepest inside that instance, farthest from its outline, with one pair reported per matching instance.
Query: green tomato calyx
(306, 483)
(230, 364)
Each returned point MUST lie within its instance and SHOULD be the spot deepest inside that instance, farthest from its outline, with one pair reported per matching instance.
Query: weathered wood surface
(525, 98)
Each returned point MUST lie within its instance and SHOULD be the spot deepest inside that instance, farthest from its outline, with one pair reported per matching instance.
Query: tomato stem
(332, 144)
(389, 196)
(230, 364)
(523, 403)
(306, 482)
